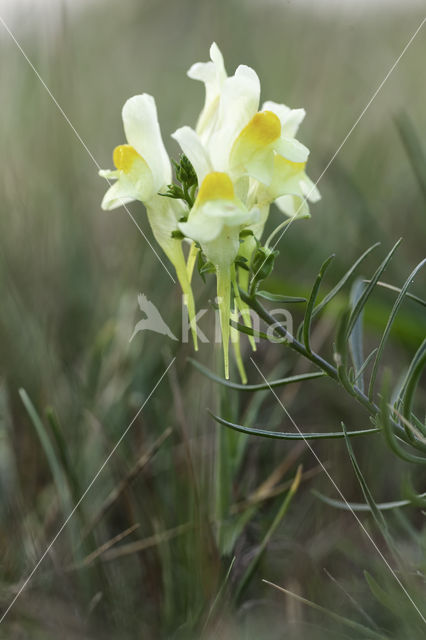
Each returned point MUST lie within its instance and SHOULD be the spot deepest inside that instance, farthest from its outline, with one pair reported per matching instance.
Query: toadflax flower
(258, 149)
(258, 153)
(215, 222)
(142, 171)
(241, 158)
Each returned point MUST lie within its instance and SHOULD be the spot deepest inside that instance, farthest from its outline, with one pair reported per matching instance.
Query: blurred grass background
(69, 275)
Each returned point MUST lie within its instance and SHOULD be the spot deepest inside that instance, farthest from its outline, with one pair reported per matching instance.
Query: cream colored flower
(251, 146)
(142, 171)
(215, 222)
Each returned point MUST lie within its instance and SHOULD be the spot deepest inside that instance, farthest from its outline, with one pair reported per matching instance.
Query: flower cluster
(235, 163)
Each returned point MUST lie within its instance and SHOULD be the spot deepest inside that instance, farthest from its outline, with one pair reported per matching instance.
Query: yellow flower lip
(291, 167)
(124, 156)
(262, 130)
(215, 186)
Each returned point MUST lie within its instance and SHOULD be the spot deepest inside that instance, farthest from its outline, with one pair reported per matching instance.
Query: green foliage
(188, 183)
(69, 277)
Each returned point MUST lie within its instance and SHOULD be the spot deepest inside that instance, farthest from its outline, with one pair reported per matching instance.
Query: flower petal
(239, 102)
(286, 179)
(309, 189)
(290, 118)
(252, 152)
(201, 229)
(143, 133)
(163, 216)
(120, 193)
(293, 206)
(213, 74)
(292, 149)
(109, 174)
(231, 214)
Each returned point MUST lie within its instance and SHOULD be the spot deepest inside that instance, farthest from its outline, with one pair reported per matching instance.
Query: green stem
(241, 306)
(223, 274)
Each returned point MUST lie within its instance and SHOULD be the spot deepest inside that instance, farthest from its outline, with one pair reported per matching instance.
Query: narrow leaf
(52, 458)
(311, 302)
(280, 435)
(369, 289)
(356, 341)
(366, 631)
(365, 364)
(270, 532)
(277, 297)
(391, 287)
(362, 506)
(255, 387)
(378, 517)
(392, 316)
(379, 593)
(343, 280)
(413, 147)
(389, 434)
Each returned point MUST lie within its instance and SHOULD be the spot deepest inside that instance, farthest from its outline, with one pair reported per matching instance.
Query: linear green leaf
(255, 387)
(415, 152)
(280, 435)
(343, 280)
(369, 289)
(392, 316)
(389, 434)
(277, 297)
(411, 385)
(365, 364)
(311, 302)
(378, 517)
(418, 356)
(360, 628)
(270, 532)
(250, 331)
(391, 287)
(356, 341)
(50, 453)
(362, 506)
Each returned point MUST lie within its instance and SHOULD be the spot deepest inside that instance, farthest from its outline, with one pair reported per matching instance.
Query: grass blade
(362, 506)
(415, 152)
(270, 532)
(370, 633)
(50, 453)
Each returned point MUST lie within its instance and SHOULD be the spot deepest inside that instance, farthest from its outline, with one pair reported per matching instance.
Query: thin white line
(80, 139)
(83, 496)
(341, 495)
(339, 148)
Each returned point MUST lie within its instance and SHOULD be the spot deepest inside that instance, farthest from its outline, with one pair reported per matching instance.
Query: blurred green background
(69, 278)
